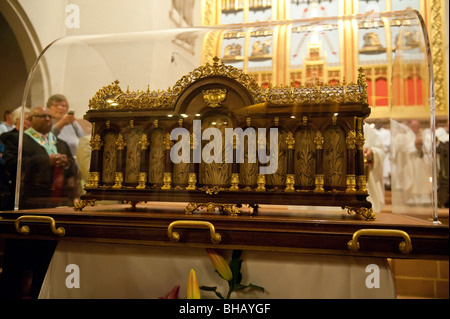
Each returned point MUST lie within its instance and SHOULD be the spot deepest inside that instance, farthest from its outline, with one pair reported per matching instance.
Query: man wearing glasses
(47, 164)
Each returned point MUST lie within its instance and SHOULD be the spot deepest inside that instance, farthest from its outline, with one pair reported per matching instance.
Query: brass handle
(175, 237)
(405, 246)
(25, 230)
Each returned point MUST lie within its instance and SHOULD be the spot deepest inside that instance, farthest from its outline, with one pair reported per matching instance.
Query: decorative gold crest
(214, 97)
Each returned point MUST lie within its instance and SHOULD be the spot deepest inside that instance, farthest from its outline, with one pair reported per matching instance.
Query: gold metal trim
(216, 238)
(290, 181)
(82, 204)
(290, 141)
(112, 96)
(364, 212)
(167, 180)
(350, 140)
(25, 230)
(405, 246)
(210, 208)
(318, 140)
(96, 143)
(143, 142)
(120, 142)
(351, 184)
(93, 180)
(142, 179)
(214, 97)
(319, 182)
(234, 182)
(261, 181)
(192, 181)
(362, 183)
(118, 180)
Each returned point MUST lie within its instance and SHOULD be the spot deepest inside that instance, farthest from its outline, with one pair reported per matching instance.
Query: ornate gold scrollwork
(96, 143)
(25, 230)
(230, 209)
(261, 181)
(405, 246)
(112, 96)
(364, 212)
(216, 238)
(83, 203)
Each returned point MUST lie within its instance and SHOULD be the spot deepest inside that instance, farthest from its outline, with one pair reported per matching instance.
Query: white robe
(411, 168)
(385, 137)
(375, 182)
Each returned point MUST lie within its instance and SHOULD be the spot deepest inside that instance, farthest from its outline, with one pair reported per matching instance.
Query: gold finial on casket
(318, 140)
(144, 141)
(290, 141)
(192, 181)
(120, 142)
(261, 181)
(96, 143)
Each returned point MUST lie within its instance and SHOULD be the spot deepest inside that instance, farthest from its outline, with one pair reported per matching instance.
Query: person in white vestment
(385, 137)
(411, 160)
(375, 154)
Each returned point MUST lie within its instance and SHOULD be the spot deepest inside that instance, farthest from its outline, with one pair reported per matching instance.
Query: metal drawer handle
(175, 237)
(25, 230)
(405, 246)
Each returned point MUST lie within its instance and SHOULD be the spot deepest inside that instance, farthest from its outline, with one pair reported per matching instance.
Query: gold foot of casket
(133, 203)
(230, 209)
(361, 212)
(83, 203)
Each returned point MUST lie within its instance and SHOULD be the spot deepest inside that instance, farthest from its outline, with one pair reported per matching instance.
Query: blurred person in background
(65, 127)
(47, 163)
(7, 125)
(8, 177)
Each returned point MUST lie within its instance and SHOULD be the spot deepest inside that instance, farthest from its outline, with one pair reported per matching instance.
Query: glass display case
(139, 97)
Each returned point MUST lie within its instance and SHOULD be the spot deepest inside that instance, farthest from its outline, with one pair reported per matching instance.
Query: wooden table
(275, 228)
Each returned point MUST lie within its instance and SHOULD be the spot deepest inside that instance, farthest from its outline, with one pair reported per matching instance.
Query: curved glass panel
(129, 91)
(413, 127)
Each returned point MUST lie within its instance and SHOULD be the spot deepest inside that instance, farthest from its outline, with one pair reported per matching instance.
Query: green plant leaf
(235, 266)
(240, 287)
(214, 289)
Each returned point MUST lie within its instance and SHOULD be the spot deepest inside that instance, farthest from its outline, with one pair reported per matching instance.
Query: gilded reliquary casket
(216, 139)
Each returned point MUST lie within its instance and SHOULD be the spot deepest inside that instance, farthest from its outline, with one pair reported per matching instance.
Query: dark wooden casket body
(320, 143)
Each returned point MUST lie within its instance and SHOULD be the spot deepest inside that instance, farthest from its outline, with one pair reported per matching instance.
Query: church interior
(356, 91)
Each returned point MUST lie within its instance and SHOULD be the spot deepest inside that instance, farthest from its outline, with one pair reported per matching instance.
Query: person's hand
(65, 120)
(418, 143)
(368, 154)
(59, 160)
